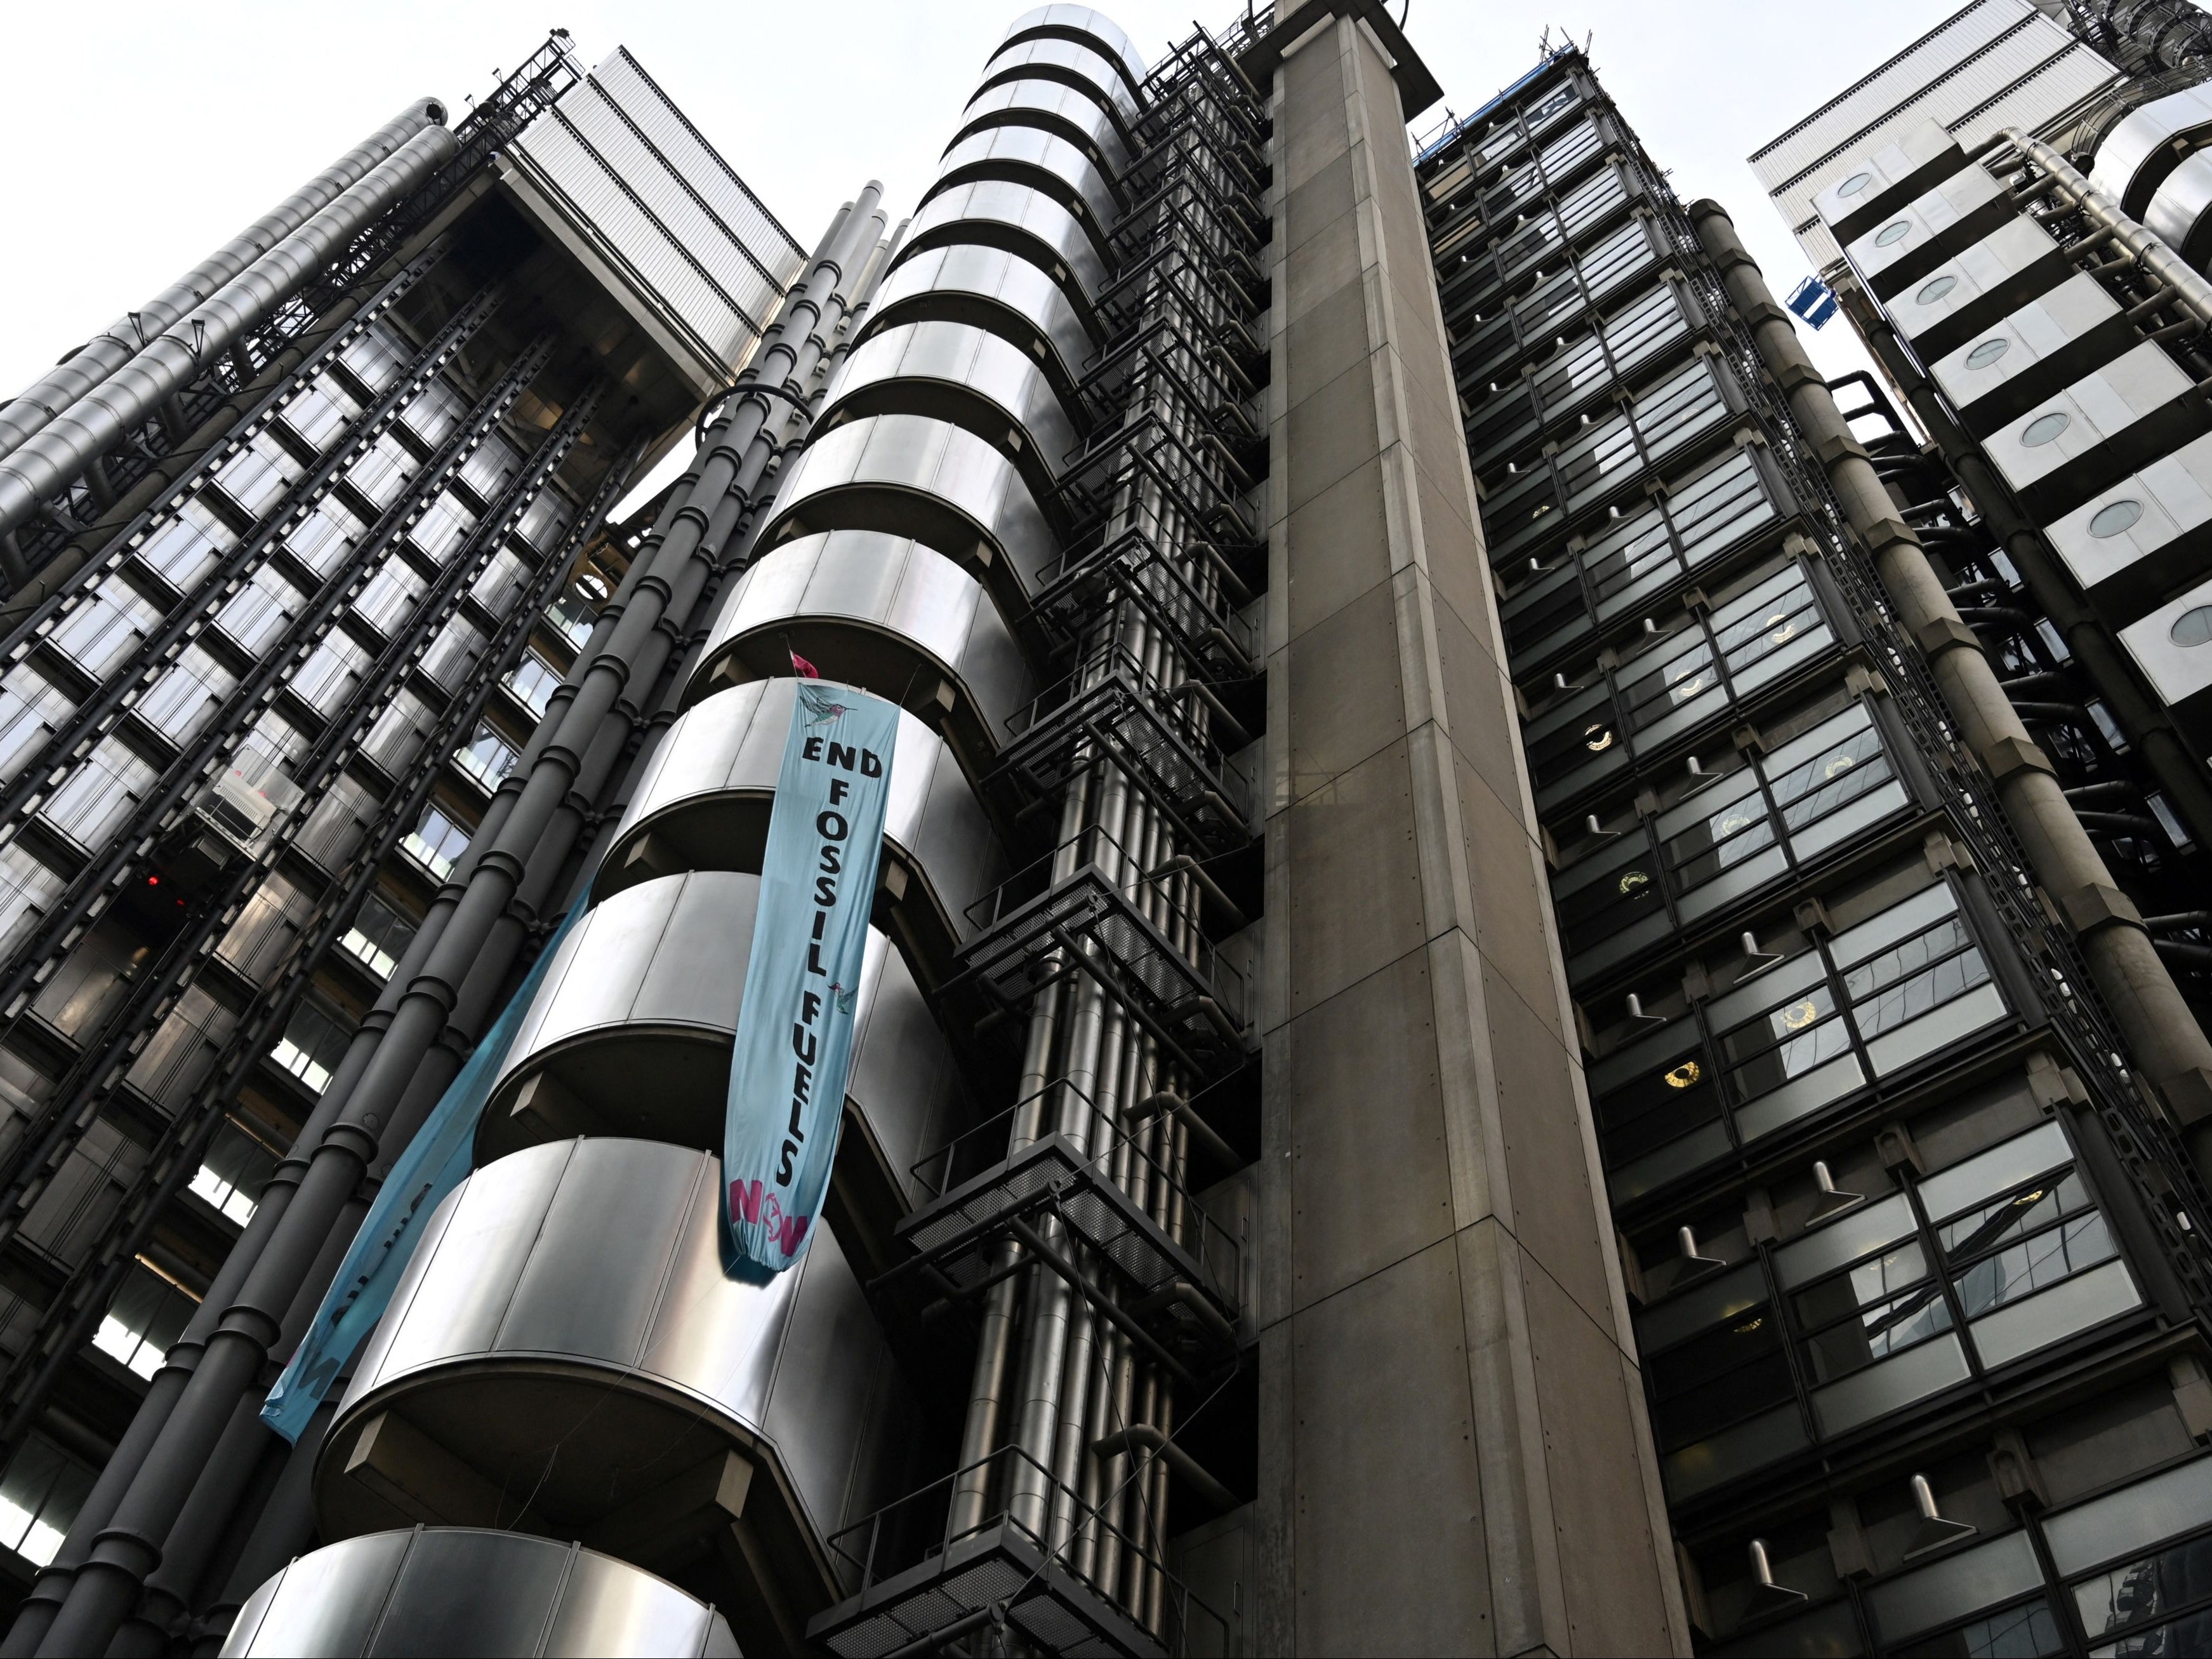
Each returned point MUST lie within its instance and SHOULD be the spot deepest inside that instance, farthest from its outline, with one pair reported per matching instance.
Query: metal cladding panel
(1007, 283)
(1038, 152)
(2181, 211)
(889, 582)
(453, 1589)
(670, 955)
(911, 452)
(2064, 333)
(2143, 141)
(1950, 218)
(606, 1258)
(1935, 54)
(2043, 453)
(993, 369)
(1045, 103)
(1996, 64)
(1093, 68)
(2130, 545)
(607, 975)
(1908, 161)
(642, 186)
(1087, 20)
(2172, 647)
(1052, 231)
(2014, 262)
(733, 742)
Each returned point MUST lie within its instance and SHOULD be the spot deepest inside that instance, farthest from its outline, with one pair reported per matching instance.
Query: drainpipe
(2162, 1036)
(122, 339)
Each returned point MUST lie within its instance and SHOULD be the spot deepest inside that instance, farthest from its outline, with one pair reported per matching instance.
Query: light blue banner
(794, 1040)
(436, 1161)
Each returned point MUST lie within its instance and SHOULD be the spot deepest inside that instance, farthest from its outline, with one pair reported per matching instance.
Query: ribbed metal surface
(645, 189)
(1998, 63)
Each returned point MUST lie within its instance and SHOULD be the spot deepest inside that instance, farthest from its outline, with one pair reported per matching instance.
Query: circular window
(2043, 428)
(1688, 1075)
(1855, 184)
(1895, 231)
(2192, 627)
(2115, 516)
(1987, 352)
(1932, 292)
(1598, 739)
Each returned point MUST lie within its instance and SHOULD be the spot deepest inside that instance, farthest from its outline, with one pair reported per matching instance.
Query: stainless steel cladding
(881, 611)
(1020, 218)
(458, 1589)
(702, 803)
(943, 483)
(2138, 154)
(994, 288)
(582, 1282)
(968, 376)
(631, 1031)
(616, 167)
(1090, 26)
(1991, 64)
(1053, 107)
(116, 344)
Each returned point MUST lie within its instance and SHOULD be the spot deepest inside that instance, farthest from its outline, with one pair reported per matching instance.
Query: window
(312, 1044)
(319, 411)
(323, 537)
(532, 682)
(257, 474)
(236, 1169)
(436, 843)
(185, 548)
(380, 935)
(574, 615)
(40, 1494)
(147, 1315)
(488, 758)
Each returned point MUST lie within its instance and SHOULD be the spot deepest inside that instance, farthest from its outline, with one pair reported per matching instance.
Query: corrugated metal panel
(1951, 43)
(732, 200)
(618, 159)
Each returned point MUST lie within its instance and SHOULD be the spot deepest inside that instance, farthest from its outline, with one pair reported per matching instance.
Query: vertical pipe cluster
(406, 1052)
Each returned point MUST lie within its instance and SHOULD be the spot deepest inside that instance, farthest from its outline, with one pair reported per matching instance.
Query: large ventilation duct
(122, 339)
(73, 439)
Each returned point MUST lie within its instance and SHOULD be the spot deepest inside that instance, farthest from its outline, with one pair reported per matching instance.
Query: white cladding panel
(1991, 64)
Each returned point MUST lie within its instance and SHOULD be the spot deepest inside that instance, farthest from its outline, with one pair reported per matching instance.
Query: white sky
(142, 137)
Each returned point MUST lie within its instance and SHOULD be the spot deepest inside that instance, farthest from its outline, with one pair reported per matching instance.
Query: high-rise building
(1506, 1009)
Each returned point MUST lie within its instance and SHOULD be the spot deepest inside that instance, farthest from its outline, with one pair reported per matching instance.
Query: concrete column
(1455, 1454)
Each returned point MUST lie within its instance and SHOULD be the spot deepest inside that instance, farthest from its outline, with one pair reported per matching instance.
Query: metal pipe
(121, 340)
(2155, 1020)
(43, 466)
(128, 1550)
(1146, 1438)
(2102, 210)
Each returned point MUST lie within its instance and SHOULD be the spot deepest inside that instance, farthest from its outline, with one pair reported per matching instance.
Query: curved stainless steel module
(971, 377)
(882, 612)
(631, 1029)
(1042, 160)
(462, 1590)
(704, 798)
(1020, 218)
(568, 1356)
(1050, 107)
(995, 290)
(1063, 21)
(907, 474)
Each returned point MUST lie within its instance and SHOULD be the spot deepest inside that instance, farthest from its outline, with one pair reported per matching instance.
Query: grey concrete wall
(1455, 1455)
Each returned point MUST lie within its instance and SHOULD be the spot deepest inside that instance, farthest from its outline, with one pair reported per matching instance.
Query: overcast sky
(142, 137)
